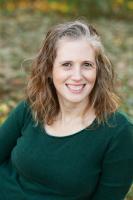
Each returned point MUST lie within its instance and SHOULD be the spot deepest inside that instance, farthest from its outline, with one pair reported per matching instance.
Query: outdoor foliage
(92, 8)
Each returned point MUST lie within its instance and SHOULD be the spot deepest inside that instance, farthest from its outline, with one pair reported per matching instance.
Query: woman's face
(74, 70)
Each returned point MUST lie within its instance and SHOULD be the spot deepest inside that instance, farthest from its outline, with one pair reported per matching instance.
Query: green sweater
(92, 164)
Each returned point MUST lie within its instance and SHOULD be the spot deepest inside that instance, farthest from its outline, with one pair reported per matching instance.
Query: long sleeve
(117, 168)
(10, 130)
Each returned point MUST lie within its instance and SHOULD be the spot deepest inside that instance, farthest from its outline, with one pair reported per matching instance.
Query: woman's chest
(66, 164)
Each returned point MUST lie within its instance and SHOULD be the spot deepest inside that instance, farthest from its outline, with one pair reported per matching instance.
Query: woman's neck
(70, 113)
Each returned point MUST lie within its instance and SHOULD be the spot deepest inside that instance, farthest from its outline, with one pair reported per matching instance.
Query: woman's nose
(77, 73)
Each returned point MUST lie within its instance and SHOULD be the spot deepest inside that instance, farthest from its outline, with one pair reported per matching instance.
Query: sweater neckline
(87, 128)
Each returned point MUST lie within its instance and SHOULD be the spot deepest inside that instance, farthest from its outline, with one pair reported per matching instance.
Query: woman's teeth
(76, 88)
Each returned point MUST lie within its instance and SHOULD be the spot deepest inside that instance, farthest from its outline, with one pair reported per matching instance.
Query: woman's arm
(117, 168)
(10, 130)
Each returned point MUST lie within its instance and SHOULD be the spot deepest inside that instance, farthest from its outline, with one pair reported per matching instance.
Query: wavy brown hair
(41, 93)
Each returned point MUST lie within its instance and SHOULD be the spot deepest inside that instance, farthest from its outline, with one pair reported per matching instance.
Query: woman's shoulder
(22, 110)
(21, 107)
(120, 117)
(119, 122)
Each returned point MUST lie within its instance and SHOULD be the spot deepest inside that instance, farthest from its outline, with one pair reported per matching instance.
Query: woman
(67, 140)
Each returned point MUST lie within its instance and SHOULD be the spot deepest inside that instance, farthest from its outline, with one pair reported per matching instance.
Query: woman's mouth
(76, 89)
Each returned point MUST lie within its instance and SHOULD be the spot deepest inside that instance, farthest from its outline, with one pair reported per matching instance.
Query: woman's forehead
(73, 48)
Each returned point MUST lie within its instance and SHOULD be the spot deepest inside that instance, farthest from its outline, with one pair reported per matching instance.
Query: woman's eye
(66, 64)
(87, 64)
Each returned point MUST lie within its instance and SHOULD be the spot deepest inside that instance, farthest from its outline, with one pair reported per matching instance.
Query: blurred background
(24, 23)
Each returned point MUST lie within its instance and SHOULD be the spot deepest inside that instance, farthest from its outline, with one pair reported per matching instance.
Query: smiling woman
(75, 74)
(72, 46)
(67, 140)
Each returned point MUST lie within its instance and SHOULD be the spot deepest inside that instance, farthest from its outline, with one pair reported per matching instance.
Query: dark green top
(92, 164)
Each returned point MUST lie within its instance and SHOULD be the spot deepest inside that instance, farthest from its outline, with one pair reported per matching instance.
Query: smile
(75, 88)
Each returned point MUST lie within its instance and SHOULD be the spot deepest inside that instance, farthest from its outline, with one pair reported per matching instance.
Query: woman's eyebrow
(72, 61)
(89, 61)
(65, 61)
